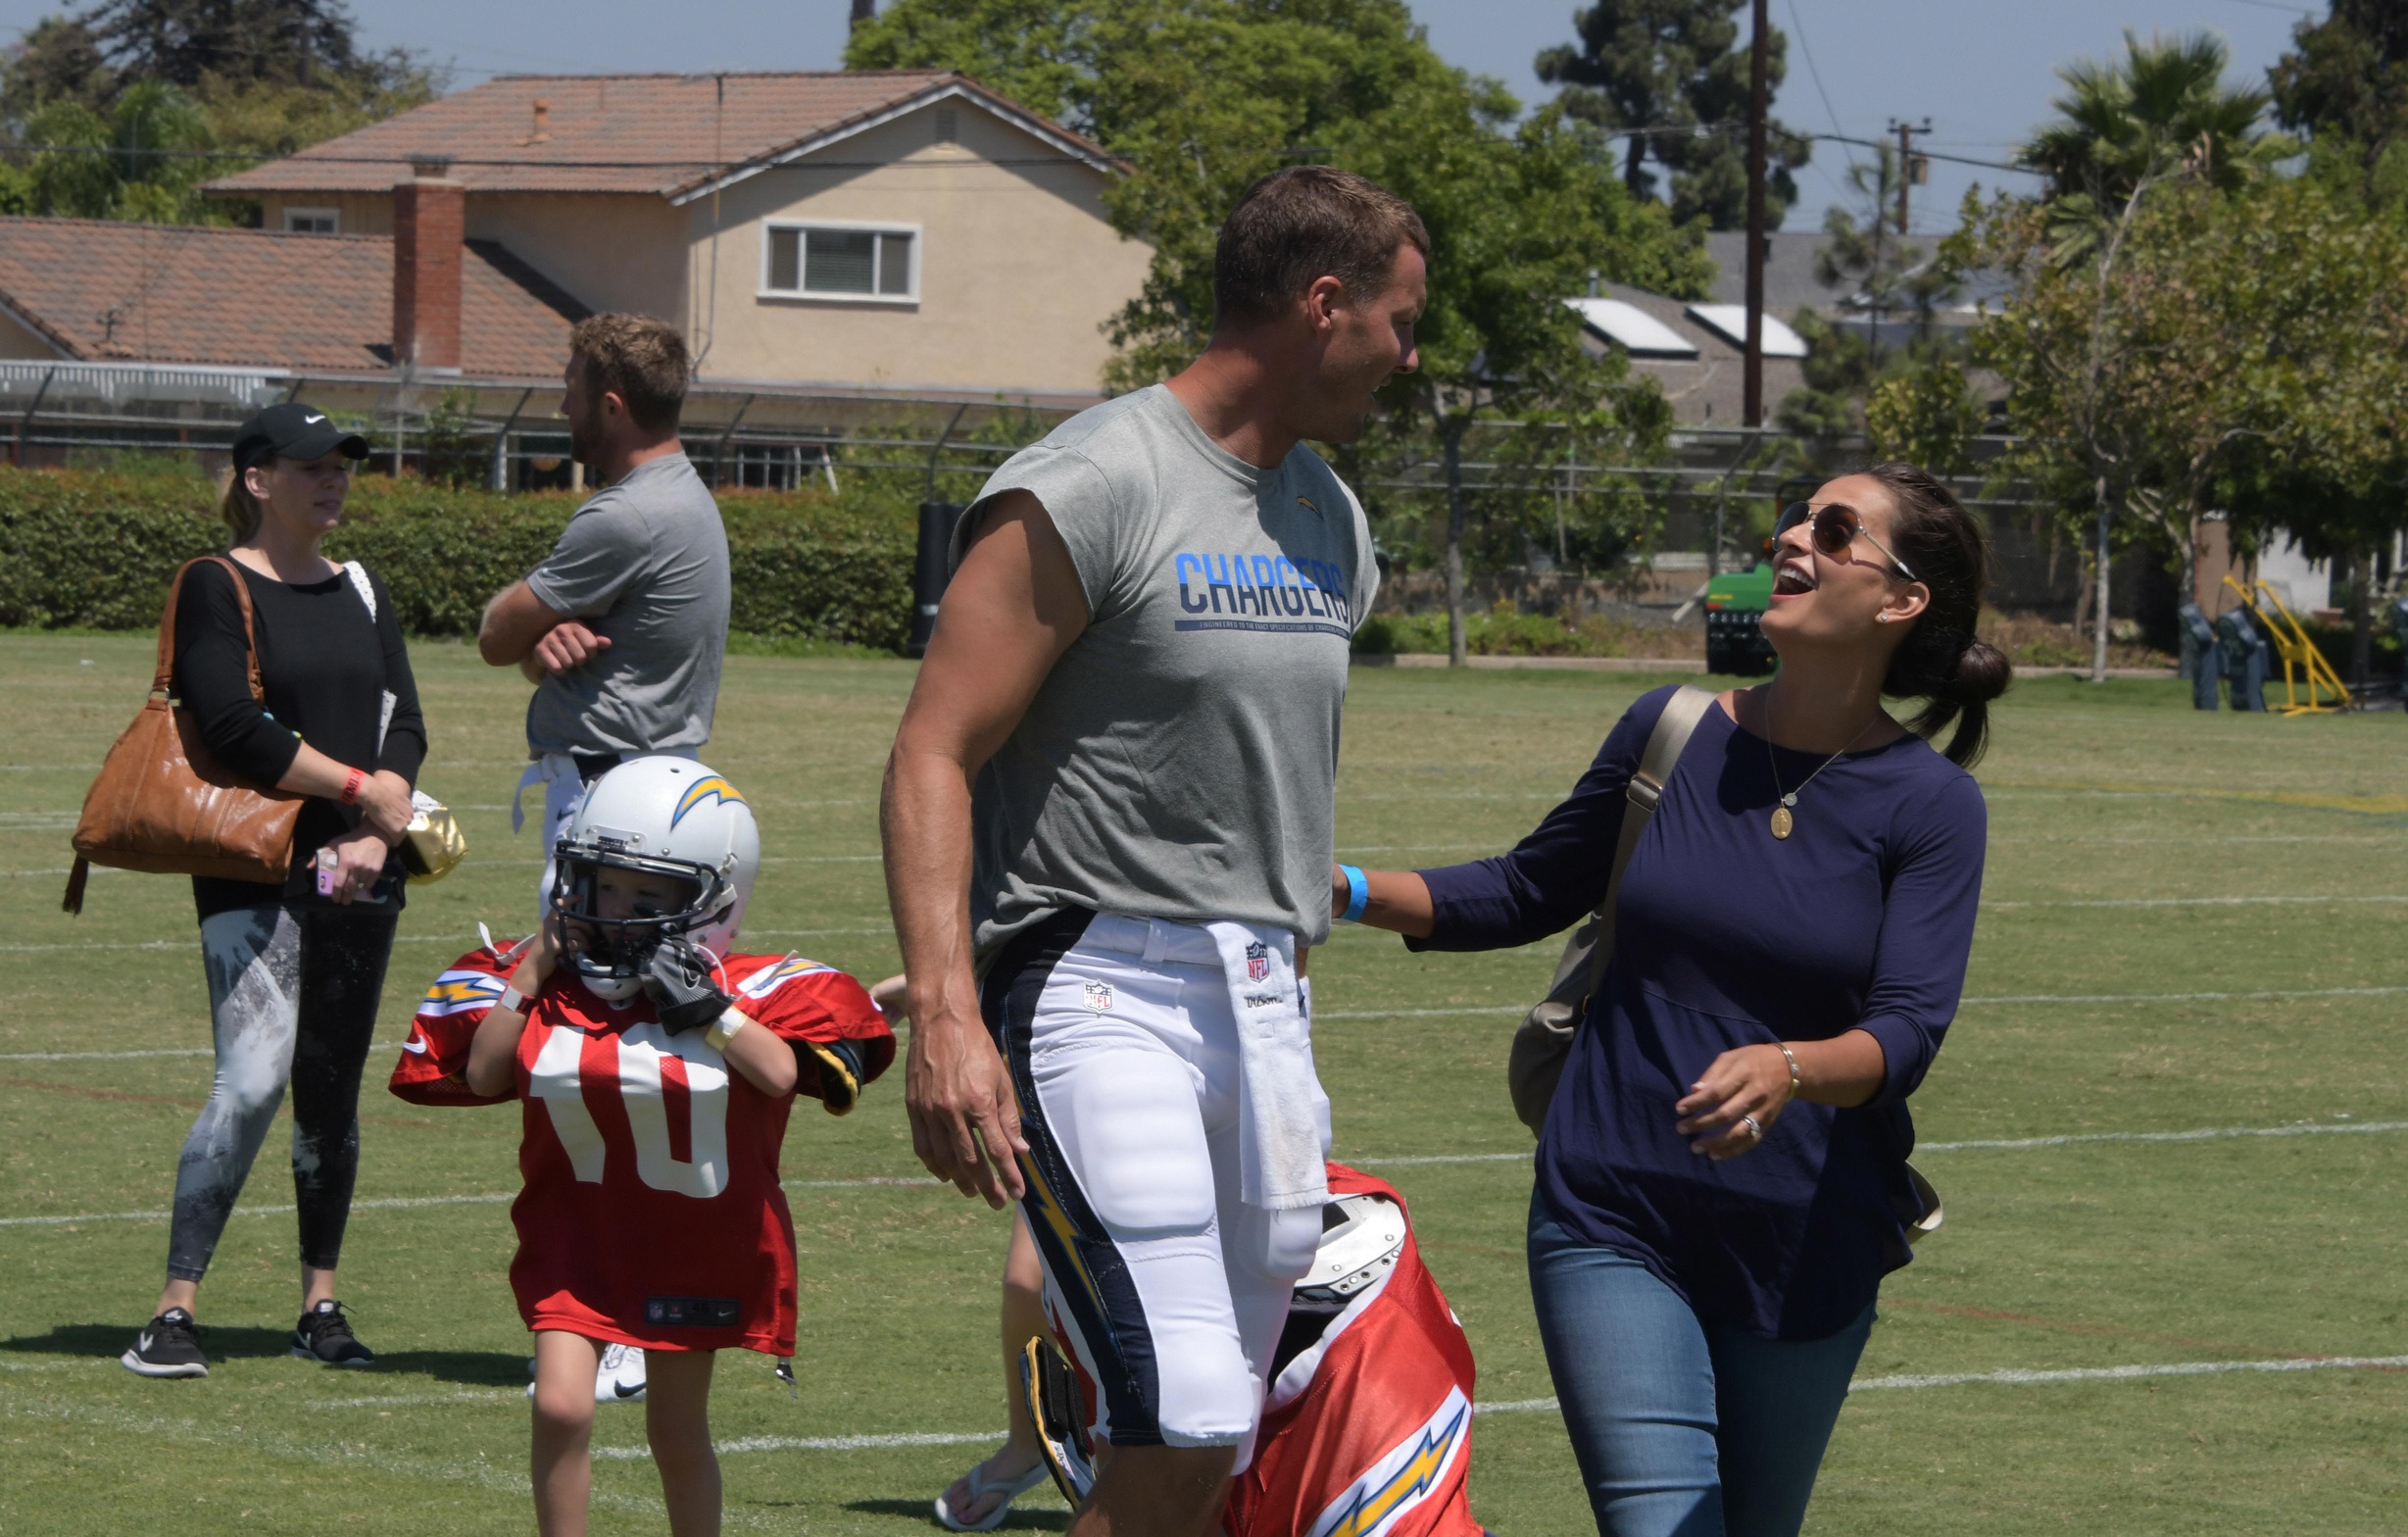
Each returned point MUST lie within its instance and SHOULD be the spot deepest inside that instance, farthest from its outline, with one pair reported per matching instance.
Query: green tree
(1924, 412)
(1204, 97)
(1671, 76)
(2126, 124)
(2346, 76)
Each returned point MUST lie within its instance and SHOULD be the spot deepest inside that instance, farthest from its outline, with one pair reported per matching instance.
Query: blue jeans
(1682, 1427)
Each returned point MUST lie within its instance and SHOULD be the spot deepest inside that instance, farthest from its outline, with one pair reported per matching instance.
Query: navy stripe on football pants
(1124, 1049)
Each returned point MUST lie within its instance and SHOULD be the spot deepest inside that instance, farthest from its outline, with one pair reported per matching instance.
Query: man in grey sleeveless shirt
(1110, 823)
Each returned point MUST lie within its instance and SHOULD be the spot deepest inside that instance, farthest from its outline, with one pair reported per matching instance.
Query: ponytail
(1941, 660)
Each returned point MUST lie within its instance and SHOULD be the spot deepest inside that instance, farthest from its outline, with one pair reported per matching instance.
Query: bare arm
(493, 1051)
(520, 630)
(1013, 610)
(1400, 901)
(765, 1059)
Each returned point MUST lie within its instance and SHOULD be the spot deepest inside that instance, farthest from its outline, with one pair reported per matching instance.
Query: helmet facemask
(611, 953)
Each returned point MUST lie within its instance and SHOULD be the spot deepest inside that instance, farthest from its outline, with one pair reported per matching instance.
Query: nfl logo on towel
(1258, 961)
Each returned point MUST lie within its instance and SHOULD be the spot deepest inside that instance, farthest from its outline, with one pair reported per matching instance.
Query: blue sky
(1981, 70)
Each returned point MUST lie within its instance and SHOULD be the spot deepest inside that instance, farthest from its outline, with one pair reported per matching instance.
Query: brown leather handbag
(163, 804)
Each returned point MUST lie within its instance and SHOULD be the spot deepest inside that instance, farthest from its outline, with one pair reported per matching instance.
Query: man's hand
(568, 644)
(965, 1119)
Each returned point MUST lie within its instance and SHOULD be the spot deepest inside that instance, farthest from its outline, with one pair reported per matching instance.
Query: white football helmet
(656, 815)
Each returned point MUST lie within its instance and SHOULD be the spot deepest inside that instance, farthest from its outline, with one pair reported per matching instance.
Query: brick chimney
(429, 224)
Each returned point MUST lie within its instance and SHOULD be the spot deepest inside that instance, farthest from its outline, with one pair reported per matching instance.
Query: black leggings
(292, 995)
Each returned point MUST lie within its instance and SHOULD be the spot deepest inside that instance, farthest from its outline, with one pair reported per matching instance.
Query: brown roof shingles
(659, 134)
(164, 293)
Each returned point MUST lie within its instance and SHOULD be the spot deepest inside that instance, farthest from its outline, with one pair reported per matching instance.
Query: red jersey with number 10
(652, 1214)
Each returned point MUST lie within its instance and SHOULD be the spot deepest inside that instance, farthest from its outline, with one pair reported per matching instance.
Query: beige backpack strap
(1665, 744)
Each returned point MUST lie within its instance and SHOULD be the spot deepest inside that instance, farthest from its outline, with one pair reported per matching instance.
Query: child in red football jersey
(655, 1071)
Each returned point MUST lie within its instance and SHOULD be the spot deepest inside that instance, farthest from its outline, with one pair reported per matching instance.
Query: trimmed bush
(93, 550)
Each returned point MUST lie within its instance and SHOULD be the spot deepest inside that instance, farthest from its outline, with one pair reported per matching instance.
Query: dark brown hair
(1941, 660)
(638, 358)
(1306, 223)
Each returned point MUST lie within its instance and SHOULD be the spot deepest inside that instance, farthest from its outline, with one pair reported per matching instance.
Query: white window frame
(334, 214)
(803, 258)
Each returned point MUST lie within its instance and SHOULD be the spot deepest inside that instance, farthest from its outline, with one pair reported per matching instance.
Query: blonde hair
(239, 508)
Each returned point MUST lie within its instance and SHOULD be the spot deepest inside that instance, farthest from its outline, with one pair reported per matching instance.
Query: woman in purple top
(1722, 1179)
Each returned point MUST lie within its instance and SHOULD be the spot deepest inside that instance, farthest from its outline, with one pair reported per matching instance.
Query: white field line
(1471, 1011)
(2010, 1377)
(2199, 902)
(171, 1051)
(1984, 1143)
(413, 1203)
(924, 1182)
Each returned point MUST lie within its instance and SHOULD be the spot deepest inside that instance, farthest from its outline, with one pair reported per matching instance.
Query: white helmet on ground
(655, 816)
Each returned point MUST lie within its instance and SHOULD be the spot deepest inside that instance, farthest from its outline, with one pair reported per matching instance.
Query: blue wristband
(1359, 893)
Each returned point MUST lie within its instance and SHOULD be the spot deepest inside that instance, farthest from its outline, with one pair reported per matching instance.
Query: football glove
(1055, 1404)
(678, 980)
(840, 1073)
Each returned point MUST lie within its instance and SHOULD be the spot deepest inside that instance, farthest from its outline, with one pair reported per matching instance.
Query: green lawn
(2130, 976)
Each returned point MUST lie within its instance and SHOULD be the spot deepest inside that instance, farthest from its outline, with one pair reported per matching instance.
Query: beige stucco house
(906, 233)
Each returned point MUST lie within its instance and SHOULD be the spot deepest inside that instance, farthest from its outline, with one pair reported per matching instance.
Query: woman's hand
(1735, 1102)
(384, 801)
(1399, 901)
(358, 864)
(891, 999)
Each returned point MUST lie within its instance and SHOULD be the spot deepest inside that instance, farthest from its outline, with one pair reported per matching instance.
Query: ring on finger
(1755, 1128)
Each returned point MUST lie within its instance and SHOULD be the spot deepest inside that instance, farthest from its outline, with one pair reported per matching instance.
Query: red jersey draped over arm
(652, 1214)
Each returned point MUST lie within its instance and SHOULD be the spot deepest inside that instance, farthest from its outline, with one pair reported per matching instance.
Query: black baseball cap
(292, 430)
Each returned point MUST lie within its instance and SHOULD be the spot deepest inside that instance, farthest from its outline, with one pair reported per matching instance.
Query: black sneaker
(169, 1346)
(324, 1335)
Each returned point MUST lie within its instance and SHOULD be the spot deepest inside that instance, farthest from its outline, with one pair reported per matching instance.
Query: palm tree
(2161, 109)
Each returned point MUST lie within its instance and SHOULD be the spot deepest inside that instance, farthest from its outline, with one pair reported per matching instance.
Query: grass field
(2192, 924)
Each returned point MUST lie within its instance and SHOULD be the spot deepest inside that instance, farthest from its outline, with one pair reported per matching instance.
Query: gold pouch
(432, 846)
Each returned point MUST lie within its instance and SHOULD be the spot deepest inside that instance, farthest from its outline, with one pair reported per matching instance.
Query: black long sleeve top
(326, 667)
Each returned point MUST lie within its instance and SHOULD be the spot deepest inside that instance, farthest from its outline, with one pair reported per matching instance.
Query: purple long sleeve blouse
(1727, 937)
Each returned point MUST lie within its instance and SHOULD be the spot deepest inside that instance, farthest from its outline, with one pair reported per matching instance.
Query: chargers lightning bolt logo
(712, 788)
(1400, 1481)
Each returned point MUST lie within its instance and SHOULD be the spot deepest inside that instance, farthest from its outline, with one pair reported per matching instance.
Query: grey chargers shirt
(644, 561)
(1180, 762)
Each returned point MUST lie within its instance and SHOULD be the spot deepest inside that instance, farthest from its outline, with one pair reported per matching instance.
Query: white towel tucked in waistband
(1282, 1114)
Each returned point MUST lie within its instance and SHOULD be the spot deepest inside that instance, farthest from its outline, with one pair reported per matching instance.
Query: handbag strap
(163, 676)
(1665, 744)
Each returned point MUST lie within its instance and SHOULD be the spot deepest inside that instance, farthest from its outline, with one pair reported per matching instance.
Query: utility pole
(1751, 373)
(863, 10)
(1913, 170)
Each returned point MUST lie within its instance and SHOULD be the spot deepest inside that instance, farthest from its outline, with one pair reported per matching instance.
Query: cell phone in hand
(325, 872)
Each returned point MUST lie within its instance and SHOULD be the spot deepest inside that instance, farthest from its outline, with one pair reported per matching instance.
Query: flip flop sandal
(1009, 1488)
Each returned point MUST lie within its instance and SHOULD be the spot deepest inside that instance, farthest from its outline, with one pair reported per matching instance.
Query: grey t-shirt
(1180, 762)
(643, 562)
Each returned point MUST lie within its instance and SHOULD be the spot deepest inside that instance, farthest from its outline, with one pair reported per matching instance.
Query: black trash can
(932, 570)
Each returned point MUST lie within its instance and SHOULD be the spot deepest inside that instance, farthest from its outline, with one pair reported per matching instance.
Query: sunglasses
(1833, 526)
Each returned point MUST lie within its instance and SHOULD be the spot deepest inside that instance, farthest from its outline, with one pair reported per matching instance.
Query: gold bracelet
(1792, 1057)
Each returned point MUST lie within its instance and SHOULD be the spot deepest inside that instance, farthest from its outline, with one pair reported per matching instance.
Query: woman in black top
(294, 971)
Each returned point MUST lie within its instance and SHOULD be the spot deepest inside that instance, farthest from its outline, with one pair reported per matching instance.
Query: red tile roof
(98, 289)
(660, 134)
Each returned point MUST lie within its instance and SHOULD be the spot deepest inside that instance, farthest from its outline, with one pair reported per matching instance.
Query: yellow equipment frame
(2299, 654)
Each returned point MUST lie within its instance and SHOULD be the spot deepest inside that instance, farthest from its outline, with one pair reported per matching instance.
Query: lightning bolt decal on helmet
(665, 817)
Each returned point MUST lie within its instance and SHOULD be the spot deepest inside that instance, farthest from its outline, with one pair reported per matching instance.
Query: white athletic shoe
(618, 1378)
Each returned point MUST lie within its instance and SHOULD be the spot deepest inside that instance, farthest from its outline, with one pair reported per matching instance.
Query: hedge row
(96, 550)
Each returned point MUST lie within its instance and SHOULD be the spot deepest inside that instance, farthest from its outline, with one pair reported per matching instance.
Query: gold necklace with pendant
(1785, 822)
